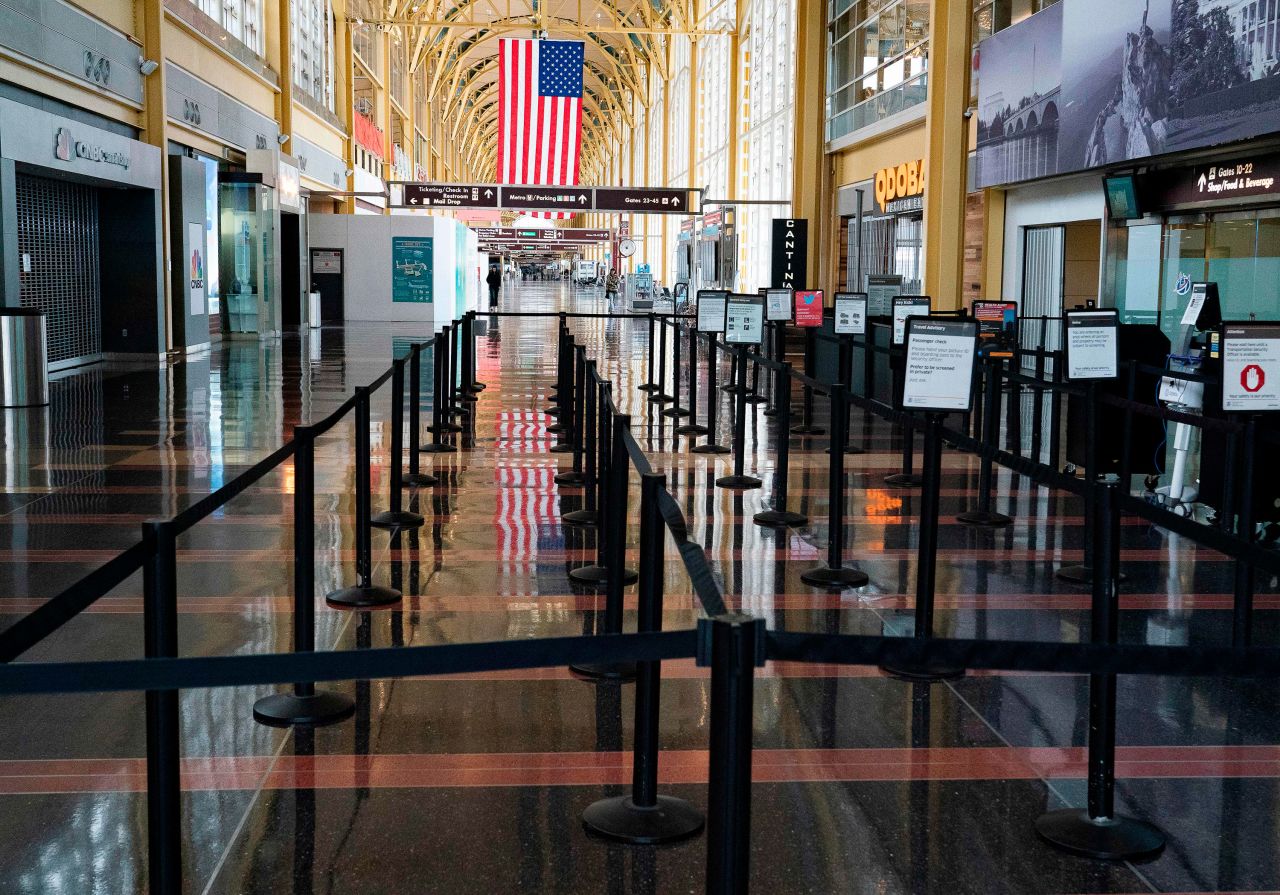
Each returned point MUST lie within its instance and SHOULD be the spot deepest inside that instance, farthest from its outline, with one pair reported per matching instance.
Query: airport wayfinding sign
(538, 197)
(644, 200)
(450, 195)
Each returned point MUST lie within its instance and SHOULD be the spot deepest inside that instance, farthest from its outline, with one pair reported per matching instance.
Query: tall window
(878, 61)
(364, 43)
(399, 82)
(312, 27)
(713, 106)
(241, 18)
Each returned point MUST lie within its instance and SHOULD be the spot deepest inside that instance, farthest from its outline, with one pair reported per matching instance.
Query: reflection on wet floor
(476, 783)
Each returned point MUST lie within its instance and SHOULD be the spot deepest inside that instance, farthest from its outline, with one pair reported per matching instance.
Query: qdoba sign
(900, 188)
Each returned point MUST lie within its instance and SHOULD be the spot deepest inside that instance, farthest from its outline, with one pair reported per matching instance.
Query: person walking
(495, 284)
(611, 285)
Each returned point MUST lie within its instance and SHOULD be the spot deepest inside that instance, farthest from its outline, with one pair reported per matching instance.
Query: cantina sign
(900, 188)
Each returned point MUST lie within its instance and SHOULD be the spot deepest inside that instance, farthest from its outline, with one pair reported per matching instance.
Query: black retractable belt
(305, 706)
(806, 425)
(780, 516)
(713, 403)
(645, 817)
(739, 480)
(753, 393)
(438, 426)
(397, 517)
(984, 515)
(415, 478)
(835, 573)
(927, 559)
(1097, 831)
(163, 712)
(693, 427)
(364, 593)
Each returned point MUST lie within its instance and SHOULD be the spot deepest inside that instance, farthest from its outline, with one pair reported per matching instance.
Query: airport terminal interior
(639, 447)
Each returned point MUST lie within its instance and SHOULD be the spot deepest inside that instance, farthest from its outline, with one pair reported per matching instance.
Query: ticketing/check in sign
(1250, 367)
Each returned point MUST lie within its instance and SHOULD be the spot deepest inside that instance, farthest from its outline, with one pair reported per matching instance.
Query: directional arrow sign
(450, 195)
(545, 198)
(644, 200)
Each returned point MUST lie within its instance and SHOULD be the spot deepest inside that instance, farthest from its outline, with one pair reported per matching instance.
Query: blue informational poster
(411, 274)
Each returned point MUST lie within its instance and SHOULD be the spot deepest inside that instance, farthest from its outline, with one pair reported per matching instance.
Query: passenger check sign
(1250, 367)
(939, 370)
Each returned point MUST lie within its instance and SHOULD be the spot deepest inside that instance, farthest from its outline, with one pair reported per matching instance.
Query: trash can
(313, 309)
(24, 368)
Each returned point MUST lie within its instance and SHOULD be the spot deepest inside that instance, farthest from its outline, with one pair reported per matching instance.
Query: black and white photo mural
(1137, 79)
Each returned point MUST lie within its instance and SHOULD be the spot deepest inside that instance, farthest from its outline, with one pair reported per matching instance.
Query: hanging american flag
(539, 112)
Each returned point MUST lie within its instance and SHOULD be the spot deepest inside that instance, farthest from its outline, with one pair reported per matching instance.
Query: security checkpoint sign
(809, 307)
(851, 314)
(778, 305)
(744, 319)
(905, 306)
(1093, 344)
(1250, 367)
(939, 367)
(711, 310)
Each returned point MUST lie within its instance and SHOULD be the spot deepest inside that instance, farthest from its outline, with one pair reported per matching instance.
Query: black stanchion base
(660, 399)
(732, 388)
(692, 429)
(621, 820)
(358, 597)
(675, 412)
(709, 449)
(561, 448)
(1109, 839)
(581, 518)
(555, 428)
(770, 411)
(437, 447)
(755, 399)
(570, 478)
(779, 519)
(469, 397)
(317, 710)
(738, 482)
(608, 673)
(825, 576)
(923, 674)
(984, 519)
(904, 480)
(647, 387)
(418, 480)
(808, 430)
(398, 519)
(450, 427)
(478, 386)
(849, 450)
(598, 576)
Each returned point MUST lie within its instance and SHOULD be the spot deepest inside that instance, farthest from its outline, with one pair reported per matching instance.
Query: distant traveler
(495, 283)
(611, 285)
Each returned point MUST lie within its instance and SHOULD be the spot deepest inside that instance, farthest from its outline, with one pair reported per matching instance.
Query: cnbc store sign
(900, 188)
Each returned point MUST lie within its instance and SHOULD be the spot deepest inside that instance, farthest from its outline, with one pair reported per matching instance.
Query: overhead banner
(711, 310)
(411, 273)
(939, 366)
(851, 314)
(744, 319)
(1092, 344)
(1250, 367)
(790, 253)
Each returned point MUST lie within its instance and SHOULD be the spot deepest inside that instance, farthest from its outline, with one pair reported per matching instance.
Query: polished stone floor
(476, 783)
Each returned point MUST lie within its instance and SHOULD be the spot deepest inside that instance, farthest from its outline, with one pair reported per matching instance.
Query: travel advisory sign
(939, 369)
(1093, 344)
(1250, 366)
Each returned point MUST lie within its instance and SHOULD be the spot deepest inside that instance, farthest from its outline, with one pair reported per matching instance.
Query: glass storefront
(247, 255)
(1152, 264)
(890, 244)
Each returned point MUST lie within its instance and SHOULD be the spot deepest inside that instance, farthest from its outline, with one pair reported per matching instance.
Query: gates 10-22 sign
(900, 188)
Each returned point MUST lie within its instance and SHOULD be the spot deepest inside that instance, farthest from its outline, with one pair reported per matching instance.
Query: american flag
(539, 112)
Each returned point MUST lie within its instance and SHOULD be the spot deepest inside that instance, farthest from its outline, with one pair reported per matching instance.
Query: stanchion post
(659, 396)
(780, 516)
(467, 390)
(305, 706)
(675, 410)
(415, 478)
(1084, 572)
(364, 593)
(397, 517)
(733, 646)
(1242, 604)
(927, 561)
(569, 401)
(692, 427)
(834, 574)
(164, 756)
(645, 817)
(476, 384)
(777, 350)
(984, 516)
(588, 515)
(649, 385)
(449, 372)
(574, 475)
(1097, 831)
(739, 480)
(437, 428)
(807, 426)
(713, 403)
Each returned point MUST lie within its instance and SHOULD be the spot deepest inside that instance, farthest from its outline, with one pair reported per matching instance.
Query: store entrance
(291, 291)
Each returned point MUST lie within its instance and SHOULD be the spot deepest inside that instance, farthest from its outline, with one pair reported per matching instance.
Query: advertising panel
(412, 269)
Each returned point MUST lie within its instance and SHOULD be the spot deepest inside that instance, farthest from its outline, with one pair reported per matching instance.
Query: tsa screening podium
(403, 268)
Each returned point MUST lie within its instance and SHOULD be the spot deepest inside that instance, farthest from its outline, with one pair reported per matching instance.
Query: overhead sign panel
(545, 198)
(450, 195)
(644, 200)
(549, 235)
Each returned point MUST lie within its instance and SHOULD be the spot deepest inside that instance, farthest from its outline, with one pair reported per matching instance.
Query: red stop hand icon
(1252, 378)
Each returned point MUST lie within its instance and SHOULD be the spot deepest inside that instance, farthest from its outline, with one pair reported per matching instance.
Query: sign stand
(693, 427)
(984, 516)
(713, 401)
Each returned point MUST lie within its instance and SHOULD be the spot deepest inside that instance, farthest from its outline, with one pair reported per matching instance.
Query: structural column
(811, 170)
(946, 183)
(993, 243)
(154, 132)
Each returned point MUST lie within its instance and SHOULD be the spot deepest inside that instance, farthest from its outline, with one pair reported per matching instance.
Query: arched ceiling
(453, 53)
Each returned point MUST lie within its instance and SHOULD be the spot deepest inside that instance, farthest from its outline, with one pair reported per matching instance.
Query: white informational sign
(851, 314)
(326, 261)
(197, 269)
(882, 289)
(711, 310)
(744, 320)
(1250, 366)
(1194, 306)
(1093, 344)
(905, 306)
(777, 304)
(939, 369)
